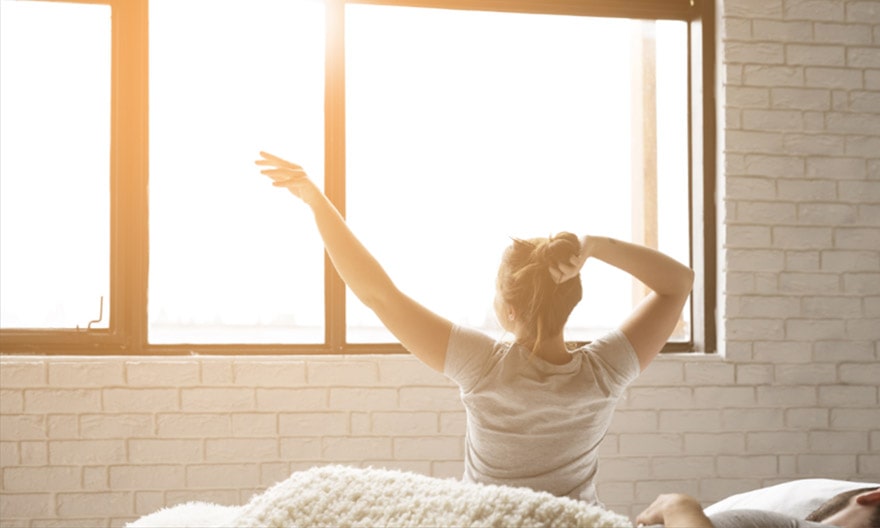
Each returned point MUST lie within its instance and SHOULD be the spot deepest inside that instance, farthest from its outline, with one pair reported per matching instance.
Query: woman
(536, 412)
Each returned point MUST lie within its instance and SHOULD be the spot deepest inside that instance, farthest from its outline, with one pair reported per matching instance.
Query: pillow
(797, 498)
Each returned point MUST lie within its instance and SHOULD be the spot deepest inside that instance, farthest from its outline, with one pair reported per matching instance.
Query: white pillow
(797, 498)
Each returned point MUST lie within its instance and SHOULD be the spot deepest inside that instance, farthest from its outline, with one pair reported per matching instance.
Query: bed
(338, 495)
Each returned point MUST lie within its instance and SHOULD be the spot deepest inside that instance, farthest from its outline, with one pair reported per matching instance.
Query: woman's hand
(674, 510)
(289, 175)
(564, 272)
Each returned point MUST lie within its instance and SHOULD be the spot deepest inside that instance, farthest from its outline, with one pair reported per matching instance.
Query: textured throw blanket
(337, 496)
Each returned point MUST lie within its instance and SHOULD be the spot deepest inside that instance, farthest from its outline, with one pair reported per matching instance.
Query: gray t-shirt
(755, 519)
(535, 424)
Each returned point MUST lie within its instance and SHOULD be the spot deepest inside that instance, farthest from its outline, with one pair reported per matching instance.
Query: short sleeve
(468, 355)
(613, 357)
(758, 519)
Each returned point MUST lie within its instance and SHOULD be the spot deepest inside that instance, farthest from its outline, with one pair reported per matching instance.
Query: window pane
(233, 259)
(54, 168)
(457, 144)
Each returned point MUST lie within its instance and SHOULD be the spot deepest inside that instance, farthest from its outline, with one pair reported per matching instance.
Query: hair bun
(561, 247)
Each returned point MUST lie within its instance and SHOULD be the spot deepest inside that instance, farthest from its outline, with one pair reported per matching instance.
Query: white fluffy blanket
(335, 496)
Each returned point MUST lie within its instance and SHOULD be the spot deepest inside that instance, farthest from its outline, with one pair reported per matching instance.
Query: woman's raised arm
(422, 332)
(651, 323)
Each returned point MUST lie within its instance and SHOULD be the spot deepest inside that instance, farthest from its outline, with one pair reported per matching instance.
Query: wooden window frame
(129, 176)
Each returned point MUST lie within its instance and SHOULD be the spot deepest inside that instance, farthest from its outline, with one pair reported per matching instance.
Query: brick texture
(792, 393)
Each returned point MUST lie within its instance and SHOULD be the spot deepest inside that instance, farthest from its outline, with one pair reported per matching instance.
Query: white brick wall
(98, 441)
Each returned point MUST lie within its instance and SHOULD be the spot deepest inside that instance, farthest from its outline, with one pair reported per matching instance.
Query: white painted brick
(155, 451)
(71, 505)
(363, 399)
(634, 421)
(843, 351)
(782, 352)
(838, 441)
(754, 52)
(406, 370)
(749, 188)
(806, 374)
(872, 77)
(860, 373)
(766, 212)
(748, 236)
(802, 260)
(852, 123)
(765, 306)
(22, 427)
(34, 453)
(755, 374)
(863, 101)
(777, 442)
(207, 399)
(221, 497)
(222, 476)
(833, 78)
(216, 371)
(857, 237)
(815, 55)
(773, 166)
(61, 401)
(405, 423)
(847, 396)
(278, 373)
(306, 449)
(862, 57)
(755, 259)
(148, 477)
(85, 374)
(861, 283)
(11, 401)
(811, 464)
(191, 425)
(814, 10)
(254, 425)
(657, 398)
(273, 472)
(64, 426)
(753, 141)
(800, 98)
(806, 418)
(22, 373)
(869, 214)
(96, 478)
(446, 469)
(709, 373)
(83, 452)
(115, 425)
(753, 9)
(842, 33)
(291, 399)
(714, 443)
(162, 373)
(773, 120)
(772, 76)
(863, 329)
(810, 283)
(140, 400)
(147, 502)
(335, 448)
(721, 397)
(782, 31)
(651, 444)
(862, 146)
(859, 191)
(679, 467)
(624, 469)
(647, 491)
(868, 464)
(752, 329)
(863, 11)
(796, 237)
(354, 373)
(813, 144)
(846, 260)
(25, 479)
(430, 448)
(689, 421)
(430, 398)
(748, 97)
(241, 449)
(832, 307)
(746, 466)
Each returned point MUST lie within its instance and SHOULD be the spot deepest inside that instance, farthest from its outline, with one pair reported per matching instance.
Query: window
(437, 149)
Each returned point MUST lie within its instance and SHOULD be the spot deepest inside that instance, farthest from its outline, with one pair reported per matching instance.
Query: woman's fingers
(269, 159)
(283, 174)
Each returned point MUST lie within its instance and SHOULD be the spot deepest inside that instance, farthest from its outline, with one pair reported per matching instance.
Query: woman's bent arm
(422, 332)
(651, 323)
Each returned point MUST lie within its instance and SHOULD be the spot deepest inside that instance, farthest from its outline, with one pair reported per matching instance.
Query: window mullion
(334, 163)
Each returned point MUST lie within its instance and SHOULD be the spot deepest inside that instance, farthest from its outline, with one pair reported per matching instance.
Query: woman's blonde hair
(524, 282)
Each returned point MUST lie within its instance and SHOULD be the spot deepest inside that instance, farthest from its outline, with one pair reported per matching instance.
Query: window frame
(129, 175)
